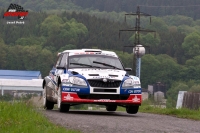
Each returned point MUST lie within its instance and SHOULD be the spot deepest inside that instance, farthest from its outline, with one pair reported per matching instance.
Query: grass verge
(147, 107)
(17, 117)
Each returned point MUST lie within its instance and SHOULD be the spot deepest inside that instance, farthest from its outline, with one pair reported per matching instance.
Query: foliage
(172, 93)
(27, 119)
(2, 53)
(195, 88)
(160, 8)
(147, 39)
(6, 97)
(177, 20)
(191, 44)
(163, 69)
(23, 97)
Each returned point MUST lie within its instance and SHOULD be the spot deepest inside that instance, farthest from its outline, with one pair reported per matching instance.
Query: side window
(67, 55)
(59, 59)
(64, 60)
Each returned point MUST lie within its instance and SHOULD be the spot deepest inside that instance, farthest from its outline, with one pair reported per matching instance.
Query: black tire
(62, 107)
(48, 105)
(132, 109)
(111, 107)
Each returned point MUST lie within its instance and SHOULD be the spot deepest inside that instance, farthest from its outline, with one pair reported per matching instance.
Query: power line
(169, 6)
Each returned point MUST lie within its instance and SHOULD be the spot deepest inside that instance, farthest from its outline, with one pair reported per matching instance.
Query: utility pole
(138, 48)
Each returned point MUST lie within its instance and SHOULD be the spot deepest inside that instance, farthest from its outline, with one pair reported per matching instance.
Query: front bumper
(73, 98)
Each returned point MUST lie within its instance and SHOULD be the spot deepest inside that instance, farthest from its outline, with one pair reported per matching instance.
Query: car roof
(89, 51)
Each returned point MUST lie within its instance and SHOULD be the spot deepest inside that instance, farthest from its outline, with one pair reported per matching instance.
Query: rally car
(91, 76)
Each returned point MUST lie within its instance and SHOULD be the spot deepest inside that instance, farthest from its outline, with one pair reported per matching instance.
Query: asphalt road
(121, 122)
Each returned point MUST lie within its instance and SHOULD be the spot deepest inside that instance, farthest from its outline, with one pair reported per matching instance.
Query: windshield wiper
(84, 65)
(106, 64)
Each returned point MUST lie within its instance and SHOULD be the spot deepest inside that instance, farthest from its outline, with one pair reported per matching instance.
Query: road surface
(121, 122)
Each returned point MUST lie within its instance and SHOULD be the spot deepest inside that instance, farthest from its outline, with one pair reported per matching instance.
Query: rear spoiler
(92, 50)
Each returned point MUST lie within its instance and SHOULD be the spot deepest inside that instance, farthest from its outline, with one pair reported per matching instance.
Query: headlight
(77, 81)
(128, 83)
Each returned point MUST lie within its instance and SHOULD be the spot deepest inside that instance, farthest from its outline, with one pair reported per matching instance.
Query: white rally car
(91, 76)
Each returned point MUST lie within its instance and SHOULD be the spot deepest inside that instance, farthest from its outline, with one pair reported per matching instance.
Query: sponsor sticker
(136, 99)
(137, 91)
(66, 89)
(104, 100)
(99, 77)
(66, 84)
(134, 91)
(72, 89)
(130, 91)
(68, 97)
(75, 89)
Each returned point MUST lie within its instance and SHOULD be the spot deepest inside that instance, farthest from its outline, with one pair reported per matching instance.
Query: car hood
(101, 73)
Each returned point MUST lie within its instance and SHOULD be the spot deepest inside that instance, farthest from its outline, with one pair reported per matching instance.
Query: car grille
(108, 84)
(103, 96)
(105, 90)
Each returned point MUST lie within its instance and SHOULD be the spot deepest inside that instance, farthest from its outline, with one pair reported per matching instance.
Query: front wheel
(48, 105)
(132, 109)
(61, 107)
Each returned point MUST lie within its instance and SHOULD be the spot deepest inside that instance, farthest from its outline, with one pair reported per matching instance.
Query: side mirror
(128, 69)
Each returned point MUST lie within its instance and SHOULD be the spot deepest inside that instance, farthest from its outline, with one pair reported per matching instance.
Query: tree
(195, 88)
(158, 25)
(30, 41)
(186, 29)
(67, 47)
(2, 53)
(150, 66)
(147, 39)
(162, 68)
(61, 31)
(191, 44)
(45, 61)
(176, 20)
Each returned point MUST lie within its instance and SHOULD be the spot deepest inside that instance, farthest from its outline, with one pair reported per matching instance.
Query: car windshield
(95, 61)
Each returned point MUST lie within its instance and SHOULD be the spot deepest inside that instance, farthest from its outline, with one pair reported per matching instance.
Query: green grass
(17, 117)
(181, 113)
(147, 107)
